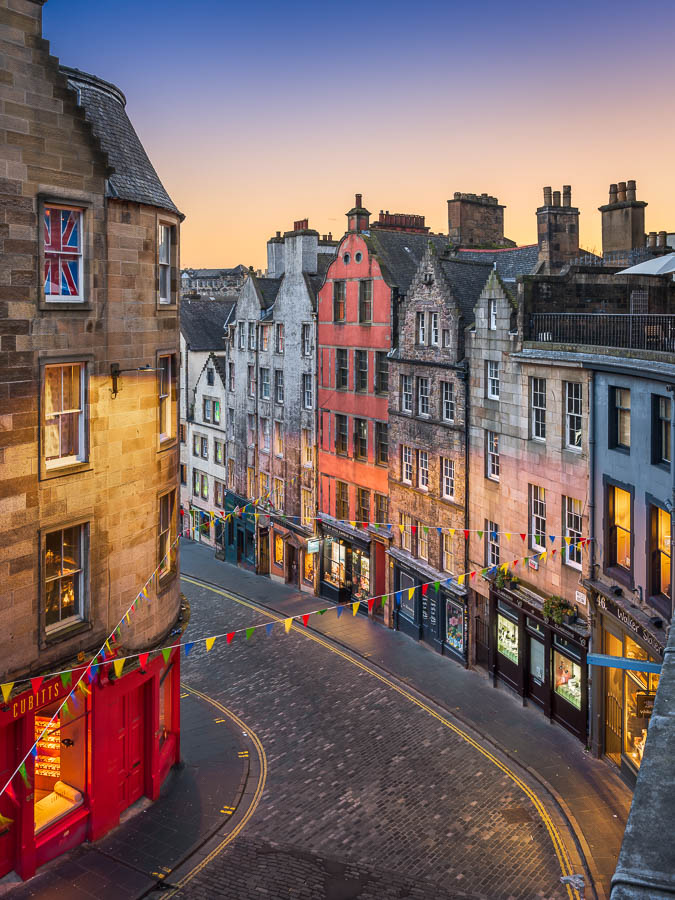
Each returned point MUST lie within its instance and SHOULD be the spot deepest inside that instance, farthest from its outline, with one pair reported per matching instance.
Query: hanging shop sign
(313, 546)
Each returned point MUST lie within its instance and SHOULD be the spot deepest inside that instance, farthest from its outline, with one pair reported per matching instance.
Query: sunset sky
(257, 114)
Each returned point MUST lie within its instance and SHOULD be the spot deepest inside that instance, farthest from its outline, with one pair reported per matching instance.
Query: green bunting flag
(249, 632)
(66, 679)
(24, 774)
(321, 612)
(437, 586)
(166, 653)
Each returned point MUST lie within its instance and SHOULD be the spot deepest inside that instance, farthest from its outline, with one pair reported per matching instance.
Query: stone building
(213, 282)
(271, 409)
(476, 221)
(89, 304)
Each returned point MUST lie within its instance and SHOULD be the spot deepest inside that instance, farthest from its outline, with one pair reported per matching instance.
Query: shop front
(235, 538)
(542, 661)
(438, 617)
(292, 561)
(346, 570)
(112, 745)
(624, 698)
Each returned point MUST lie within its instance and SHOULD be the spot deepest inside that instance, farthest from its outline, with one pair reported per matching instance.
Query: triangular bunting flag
(439, 529)
(166, 653)
(551, 538)
(401, 528)
(452, 531)
(483, 572)
(523, 536)
(466, 534)
(371, 603)
(473, 574)
(411, 593)
(397, 597)
(36, 682)
(209, 643)
(383, 599)
(143, 659)
(553, 553)
(249, 632)
(189, 647)
(23, 773)
(508, 535)
(461, 578)
(66, 679)
(66, 708)
(321, 612)
(355, 607)
(504, 567)
(413, 528)
(93, 672)
(338, 610)
(11, 793)
(353, 524)
(126, 616)
(567, 540)
(437, 586)
(425, 588)
(108, 647)
(118, 665)
(480, 535)
(83, 687)
(33, 751)
(305, 619)
(6, 690)
(287, 624)
(230, 637)
(269, 627)
(542, 556)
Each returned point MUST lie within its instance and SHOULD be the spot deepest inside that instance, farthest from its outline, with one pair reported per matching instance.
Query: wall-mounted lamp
(68, 742)
(115, 373)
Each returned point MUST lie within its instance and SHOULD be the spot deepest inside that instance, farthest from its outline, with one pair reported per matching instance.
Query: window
(406, 393)
(448, 478)
(406, 464)
(307, 391)
(492, 314)
(381, 373)
(434, 331)
(242, 335)
(278, 386)
(206, 412)
(218, 452)
(205, 486)
(491, 543)
(421, 328)
(230, 369)
(219, 491)
(307, 448)
(360, 439)
(660, 430)
(205, 448)
(660, 555)
(447, 401)
(422, 396)
(620, 418)
(574, 408)
(251, 382)
(365, 301)
(279, 338)
(64, 405)
(382, 443)
(167, 532)
(278, 439)
(572, 517)
(342, 500)
(423, 469)
(446, 337)
(341, 370)
(216, 412)
(492, 380)
(639, 302)
(361, 370)
(538, 517)
(363, 505)
(183, 473)
(210, 377)
(278, 493)
(250, 431)
(182, 430)
(64, 576)
(278, 550)
(250, 481)
(164, 260)
(620, 526)
(196, 445)
(251, 335)
(307, 507)
(422, 541)
(264, 383)
(492, 456)
(339, 304)
(306, 340)
(446, 553)
(63, 254)
(167, 397)
(196, 482)
(538, 408)
(230, 423)
(341, 435)
(381, 509)
(264, 486)
(264, 338)
(265, 431)
(406, 533)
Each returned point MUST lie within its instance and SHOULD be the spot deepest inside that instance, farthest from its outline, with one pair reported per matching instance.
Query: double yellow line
(262, 777)
(556, 839)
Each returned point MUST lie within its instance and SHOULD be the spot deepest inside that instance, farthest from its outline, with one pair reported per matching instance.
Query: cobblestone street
(368, 795)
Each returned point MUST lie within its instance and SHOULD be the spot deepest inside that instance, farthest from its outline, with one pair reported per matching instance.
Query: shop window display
(59, 769)
(638, 711)
(308, 570)
(360, 574)
(537, 661)
(278, 550)
(454, 626)
(507, 638)
(334, 563)
(567, 675)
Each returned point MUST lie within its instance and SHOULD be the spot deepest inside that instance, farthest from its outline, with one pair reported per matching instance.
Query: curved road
(370, 792)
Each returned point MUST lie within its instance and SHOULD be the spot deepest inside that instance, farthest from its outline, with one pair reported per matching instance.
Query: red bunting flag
(365, 524)
(142, 659)
(36, 682)
(523, 536)
(466, 534)
(371, 603)
(305, 619)
(230, 637)
(424, 589)
(12, 794)
(413, 528)
(473, 574)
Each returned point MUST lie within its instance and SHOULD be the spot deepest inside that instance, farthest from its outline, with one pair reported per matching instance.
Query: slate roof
(400, 253)
(268, 288)
(134, 177)
(467, 279)
(315, 282)
(202, 322)
(510, 263)
(221, 367)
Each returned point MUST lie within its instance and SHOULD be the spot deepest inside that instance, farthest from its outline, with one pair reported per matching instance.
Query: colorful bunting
(371, 603)
(143, 659)
(209, 643)
(23, 773)
(6, 690)
(355, 607)
(118, 665)
(287, 624)
(166, 653)
(36, 682)
(66, 679)
(188, 647)
(249, 632)
(230, 637)
(305, 619)
(338, 610)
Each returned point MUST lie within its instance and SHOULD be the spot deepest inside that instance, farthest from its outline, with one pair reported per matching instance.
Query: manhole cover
(516, 814)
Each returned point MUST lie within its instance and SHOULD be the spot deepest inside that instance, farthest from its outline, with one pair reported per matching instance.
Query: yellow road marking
(556, 839)
(262, 778)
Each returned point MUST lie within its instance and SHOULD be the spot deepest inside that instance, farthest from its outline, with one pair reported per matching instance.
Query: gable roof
(511, 263)
(134, 177)
(266, 288)
(202, 322)
(399, 254)
(467, 280)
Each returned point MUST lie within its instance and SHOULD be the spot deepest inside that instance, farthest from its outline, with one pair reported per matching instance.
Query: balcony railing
(636, 332)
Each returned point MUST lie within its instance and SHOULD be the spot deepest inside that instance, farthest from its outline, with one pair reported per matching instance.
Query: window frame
(164, 574)
(83, 300)
(661, 432)
(423, 399)
(366, 302)
(341, 501)
(447, 553)
(423, 470)
(279, 337)
(361, 371)
(407, 468)
(279, 387)
(615, 418)
(166, 439)
(168, 266)
(537, 422)
(341, 371)
(306, 448)
(361, 507)
(381, 372)
(406, 380)
(265, 383)
(448, 408)
(535, 512)
(65, 627)
(492, 548)
(341, 434)
(573, 561)
(446, 477)
(381, 429)
(339, 301)
(307, 392)
(381, 509)
(571, 415)
(492, 379)
(492, 463)
(265, 430)
(278, 439)
(611, 565)
(658, 598)
(421, 328)
(69, 464)
(360, 439)
(306, 338)
(434, 329)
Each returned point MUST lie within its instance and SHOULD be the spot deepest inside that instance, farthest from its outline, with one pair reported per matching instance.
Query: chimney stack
(358, 218)
(567, 195)
(612, 193)
(557, 230)
(556, 198)
(630, 190)
(651, 240)
(662, 241)
(476, 221)
(623, 222)
(548, 199)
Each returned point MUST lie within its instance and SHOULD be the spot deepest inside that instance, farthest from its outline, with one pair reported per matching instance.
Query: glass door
(613, 701)
(536, 669)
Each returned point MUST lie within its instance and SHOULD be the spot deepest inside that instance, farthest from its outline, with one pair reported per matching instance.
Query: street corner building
(89, 307)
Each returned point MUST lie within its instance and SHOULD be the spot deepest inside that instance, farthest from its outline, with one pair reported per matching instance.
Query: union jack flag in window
(63, 252)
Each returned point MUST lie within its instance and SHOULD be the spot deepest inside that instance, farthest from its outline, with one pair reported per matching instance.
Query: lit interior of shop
(59, 767)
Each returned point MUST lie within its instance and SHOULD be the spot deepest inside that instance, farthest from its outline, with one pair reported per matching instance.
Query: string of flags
(89, 669)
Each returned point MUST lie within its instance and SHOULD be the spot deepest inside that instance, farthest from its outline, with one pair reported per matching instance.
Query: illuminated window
(64, 574)
(278, 550)
(660, 553)
(620, 517)
(307, 507)
(278, 493)
(307, 448)
(572, 513)
(537, 517)
(65, 416)
(167, 397)
(167, 532)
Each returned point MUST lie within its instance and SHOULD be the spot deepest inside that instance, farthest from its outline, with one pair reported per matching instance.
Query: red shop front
(115, 745)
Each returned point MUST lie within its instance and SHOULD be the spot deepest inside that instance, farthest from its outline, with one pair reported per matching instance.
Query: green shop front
(235, 533)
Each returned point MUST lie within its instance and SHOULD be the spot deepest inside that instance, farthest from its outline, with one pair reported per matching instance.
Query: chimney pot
(630, 190)
(651, 240)
(662, 240)
(612, 193)
(567, 194)
(358, 203)
(278, 234)
(621, 191)
(330, 235)
(556, 198)
(547, 197)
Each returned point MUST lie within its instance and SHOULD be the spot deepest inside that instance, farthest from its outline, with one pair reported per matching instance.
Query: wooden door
(131, 756)
(8, 809)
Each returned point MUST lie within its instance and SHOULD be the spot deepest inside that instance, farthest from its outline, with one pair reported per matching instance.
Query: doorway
(613, 701)
(130, 715)
(291, 564)
(10, 813)
(240, 544)
(264, 553)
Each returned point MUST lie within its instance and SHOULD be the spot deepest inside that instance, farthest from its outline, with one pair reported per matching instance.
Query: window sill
(618, 448)
(165, 581)
(61, 471)
(170, 306)
(63, 633)
(663, 465)
(167, 444)
(624, 576)
(65, 305)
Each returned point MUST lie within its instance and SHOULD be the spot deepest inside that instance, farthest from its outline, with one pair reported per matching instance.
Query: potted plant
(558, 609)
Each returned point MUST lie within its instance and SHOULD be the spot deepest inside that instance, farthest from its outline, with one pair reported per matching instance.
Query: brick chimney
(623, 220)
(401, 222)
(557, 229)
(476, 221)
(358, 218)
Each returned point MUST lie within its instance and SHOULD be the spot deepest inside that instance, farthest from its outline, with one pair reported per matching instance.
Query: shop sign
(580, 598)
(609, 606)
(30, 702)
(313, 546)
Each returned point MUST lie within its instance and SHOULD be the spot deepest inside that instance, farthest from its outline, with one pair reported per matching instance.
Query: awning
(657, 265)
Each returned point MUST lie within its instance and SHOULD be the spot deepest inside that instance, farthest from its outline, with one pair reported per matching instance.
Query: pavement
(590, 796)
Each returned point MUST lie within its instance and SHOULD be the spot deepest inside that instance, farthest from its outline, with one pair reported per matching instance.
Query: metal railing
(637, 332)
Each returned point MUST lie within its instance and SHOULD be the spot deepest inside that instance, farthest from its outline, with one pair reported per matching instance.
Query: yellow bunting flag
(83, 687)
(126, 616)
(504, 567)
(542, 556)
(460, 580)
(213, 517)
(7, 690)
(107, 643)
(411, 593)
(209, 643)
(118, 665)
(353, 524)
(287, 624)
(401, 528)
(508, 535)
(145, 592)
(452, 531)
(567, 540)
(355, 607)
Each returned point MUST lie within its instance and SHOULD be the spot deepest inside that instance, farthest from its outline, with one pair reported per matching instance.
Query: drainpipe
(594, 695)
(315, 455)
(256, 459)
(467, 424)
(671, 389)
